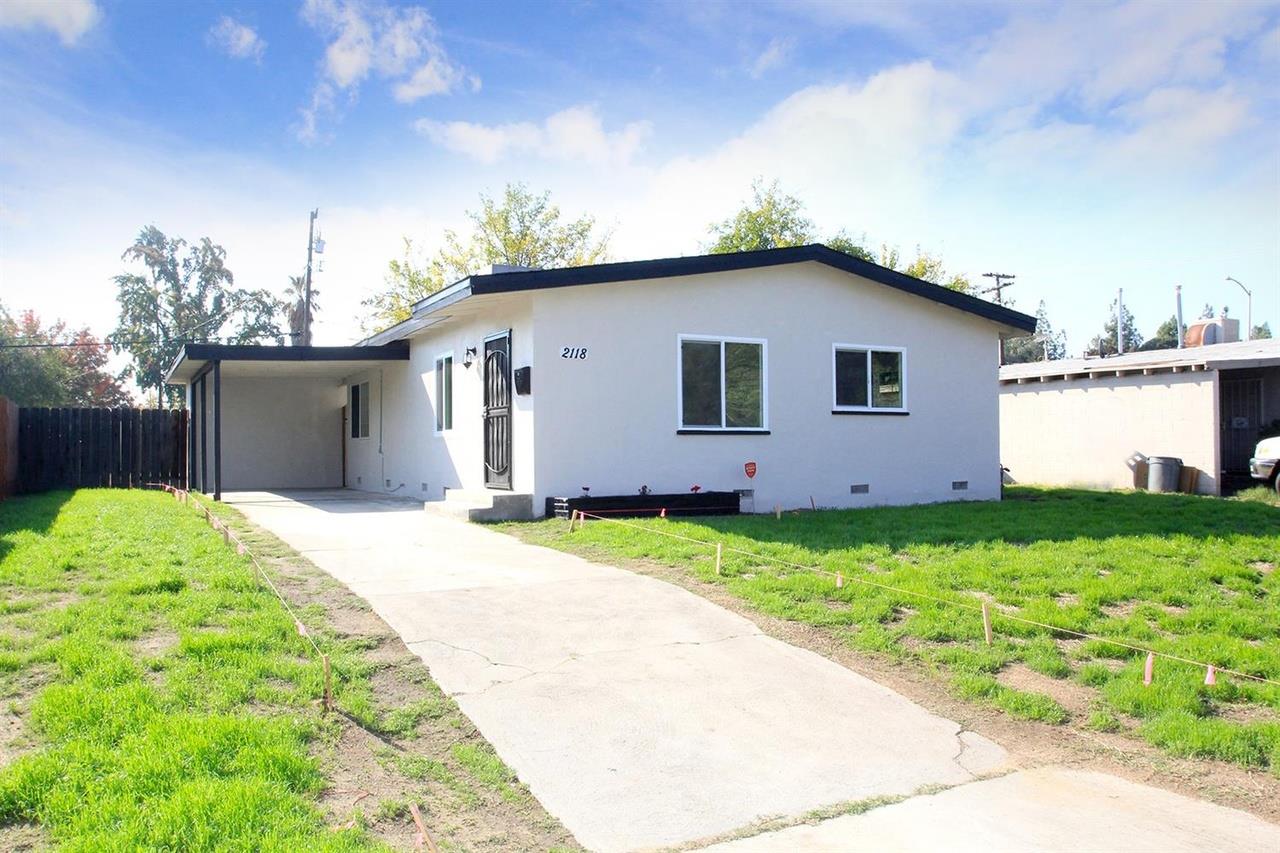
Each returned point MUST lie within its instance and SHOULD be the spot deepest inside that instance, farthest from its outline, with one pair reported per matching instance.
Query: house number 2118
(573, 352)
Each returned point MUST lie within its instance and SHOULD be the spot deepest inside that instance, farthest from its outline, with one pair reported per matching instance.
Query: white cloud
(237, 40)
(401, 45)
(70, 19)
(575, 135)
(774, 54)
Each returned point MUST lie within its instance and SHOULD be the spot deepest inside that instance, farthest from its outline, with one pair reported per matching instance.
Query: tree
(185, 295)
(1106, 343)
(522, 229)
(772, 219)
(1166, 337)
(1261, 332)
(842, 242)
(929, 268)
(66, 369)
(1044, 345)
(300, 329)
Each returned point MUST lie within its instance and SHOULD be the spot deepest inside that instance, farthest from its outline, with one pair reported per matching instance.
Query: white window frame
(869, 348)
(363, 385)
(764, 383)
(436, 430)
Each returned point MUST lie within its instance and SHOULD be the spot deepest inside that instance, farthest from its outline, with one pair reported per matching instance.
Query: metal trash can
(1163, 473)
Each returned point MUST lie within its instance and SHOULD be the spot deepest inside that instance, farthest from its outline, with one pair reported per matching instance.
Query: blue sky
(1083, 147)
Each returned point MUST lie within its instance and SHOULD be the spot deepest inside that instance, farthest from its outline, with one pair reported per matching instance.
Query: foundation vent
(860, 489)
(959, 485)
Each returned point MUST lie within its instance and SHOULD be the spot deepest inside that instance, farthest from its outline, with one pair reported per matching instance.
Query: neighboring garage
(269, 417)
(1095, 422)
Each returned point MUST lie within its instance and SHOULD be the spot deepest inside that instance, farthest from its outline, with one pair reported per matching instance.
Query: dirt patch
(1066, 599)
(356, 622)
(13, 738)
(991, 600)
(156, 643)
(1121, 609)
(1262, 566)
(1248, 713)
(1030, 744)
(1069, 694)
(21, 837)
(900, 615)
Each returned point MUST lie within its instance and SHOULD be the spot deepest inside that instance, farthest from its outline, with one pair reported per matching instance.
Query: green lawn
(1184, 575)
(162, 698)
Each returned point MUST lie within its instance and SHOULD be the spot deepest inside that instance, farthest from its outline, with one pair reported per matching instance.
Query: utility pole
(998, 289)
(1003, 280)
(1120, 322)
(306, 310)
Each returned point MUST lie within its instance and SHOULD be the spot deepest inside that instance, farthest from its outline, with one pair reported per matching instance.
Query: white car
(1265, 462)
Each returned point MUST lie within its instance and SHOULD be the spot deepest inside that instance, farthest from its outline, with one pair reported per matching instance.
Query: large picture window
(869, 378)
(444, 392)
(722, 384)
(359, 410)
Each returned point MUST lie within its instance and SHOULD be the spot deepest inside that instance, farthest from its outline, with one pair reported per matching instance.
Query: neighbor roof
(511, 282)
(299, 360)
(1233, 356)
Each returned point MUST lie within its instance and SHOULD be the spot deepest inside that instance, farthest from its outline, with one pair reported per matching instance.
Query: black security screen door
(497, 412)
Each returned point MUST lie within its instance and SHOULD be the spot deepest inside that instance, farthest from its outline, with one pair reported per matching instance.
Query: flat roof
(1238, 355)
(614, 273)
(316, 361)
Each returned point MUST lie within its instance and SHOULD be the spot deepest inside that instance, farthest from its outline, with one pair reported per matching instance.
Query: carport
(272, 417)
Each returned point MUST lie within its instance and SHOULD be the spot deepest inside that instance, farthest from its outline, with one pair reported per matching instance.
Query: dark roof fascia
(396, 351)
(511, 282)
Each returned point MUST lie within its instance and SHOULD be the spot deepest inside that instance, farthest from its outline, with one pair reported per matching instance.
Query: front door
(497, 411)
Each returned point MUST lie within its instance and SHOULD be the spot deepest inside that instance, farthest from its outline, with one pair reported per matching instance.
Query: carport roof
(252, 359)
(1238, 355)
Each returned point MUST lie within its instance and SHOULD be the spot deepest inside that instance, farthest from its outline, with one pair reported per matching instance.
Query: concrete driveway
(639, 714)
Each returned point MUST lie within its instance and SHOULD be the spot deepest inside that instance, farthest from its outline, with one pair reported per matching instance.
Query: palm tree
(300, 332)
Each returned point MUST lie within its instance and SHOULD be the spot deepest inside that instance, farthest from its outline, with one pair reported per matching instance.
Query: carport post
(191, 437)
(204, 444)
(217, 430)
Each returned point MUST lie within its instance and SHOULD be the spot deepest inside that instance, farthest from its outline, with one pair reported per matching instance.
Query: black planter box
(683, 503)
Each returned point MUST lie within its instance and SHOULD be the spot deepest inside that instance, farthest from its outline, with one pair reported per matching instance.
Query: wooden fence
(120, 448)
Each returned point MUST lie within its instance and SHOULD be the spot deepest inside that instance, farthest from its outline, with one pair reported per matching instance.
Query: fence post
(986, 622)
(719, 555)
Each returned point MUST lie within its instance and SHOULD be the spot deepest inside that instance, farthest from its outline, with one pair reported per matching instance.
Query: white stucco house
(1093, 422)
(843, 382)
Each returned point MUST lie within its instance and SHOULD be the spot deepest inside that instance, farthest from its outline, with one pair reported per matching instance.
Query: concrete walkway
(640, 714)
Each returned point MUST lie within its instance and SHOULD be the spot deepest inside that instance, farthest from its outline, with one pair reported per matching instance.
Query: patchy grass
(166, 701)
(1258, 494)
(1184, 575)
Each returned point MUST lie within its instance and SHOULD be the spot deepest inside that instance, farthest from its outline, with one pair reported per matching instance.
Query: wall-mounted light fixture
(469, 357)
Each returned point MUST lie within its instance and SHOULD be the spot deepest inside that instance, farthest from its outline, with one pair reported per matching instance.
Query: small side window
(359, 410)
(444, 393)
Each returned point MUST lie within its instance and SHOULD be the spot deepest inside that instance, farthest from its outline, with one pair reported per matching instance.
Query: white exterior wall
(610, 421)
(1085, 432)
(278, 432)
(403, 447)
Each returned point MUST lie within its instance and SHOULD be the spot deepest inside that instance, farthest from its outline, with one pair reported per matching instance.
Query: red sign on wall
(750, 468)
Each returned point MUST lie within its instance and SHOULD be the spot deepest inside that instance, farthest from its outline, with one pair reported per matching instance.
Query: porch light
(469, 357)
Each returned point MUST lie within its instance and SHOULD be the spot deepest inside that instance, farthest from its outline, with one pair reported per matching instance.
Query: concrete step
(483, 505)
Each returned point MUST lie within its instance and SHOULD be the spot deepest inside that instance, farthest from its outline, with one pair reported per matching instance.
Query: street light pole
(1248, 328)
(306, 309)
